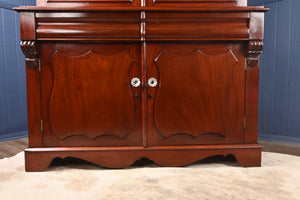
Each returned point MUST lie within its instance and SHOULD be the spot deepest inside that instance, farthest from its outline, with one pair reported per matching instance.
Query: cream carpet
(277, 179)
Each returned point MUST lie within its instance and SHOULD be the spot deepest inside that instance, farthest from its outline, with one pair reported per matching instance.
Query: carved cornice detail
(31, 51)
(255, 48)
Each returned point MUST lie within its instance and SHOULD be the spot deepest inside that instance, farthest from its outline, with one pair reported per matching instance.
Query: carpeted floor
(277, 179)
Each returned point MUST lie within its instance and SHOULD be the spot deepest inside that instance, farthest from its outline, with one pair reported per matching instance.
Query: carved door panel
(87, 98)
(199, 96)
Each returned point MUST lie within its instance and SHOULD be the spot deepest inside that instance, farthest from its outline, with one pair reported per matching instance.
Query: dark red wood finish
(197, 99)
(82, 55)
(91, 85)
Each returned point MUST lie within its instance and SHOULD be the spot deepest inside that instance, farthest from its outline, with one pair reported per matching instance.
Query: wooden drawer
(86, 3)
(197, 25)
(103, 25)
(197, 3)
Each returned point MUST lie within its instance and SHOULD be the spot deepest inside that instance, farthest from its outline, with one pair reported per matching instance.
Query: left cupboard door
(88, 96)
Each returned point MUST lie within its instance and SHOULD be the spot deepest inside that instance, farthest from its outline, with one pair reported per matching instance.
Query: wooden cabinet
(111, 82)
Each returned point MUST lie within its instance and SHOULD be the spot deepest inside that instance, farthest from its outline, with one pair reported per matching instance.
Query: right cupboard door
(195, 93)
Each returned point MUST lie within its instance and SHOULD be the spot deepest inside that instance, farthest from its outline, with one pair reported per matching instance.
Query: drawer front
(94, 1)
(82, 3)
(197, 26)
(199, 95)
(199, 3)
(88, 26)
(128, 26)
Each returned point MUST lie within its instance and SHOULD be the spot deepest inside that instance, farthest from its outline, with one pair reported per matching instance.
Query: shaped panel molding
(91, 95)
(208, 84)
(31, 51)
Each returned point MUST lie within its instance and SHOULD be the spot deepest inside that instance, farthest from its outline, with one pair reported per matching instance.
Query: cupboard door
(87, 98)
(199, 96)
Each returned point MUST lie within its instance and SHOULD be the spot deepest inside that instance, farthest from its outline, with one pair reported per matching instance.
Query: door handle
(135, 82)
(152, 82)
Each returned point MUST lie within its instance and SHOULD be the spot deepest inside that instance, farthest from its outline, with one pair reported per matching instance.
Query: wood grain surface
(174, 81)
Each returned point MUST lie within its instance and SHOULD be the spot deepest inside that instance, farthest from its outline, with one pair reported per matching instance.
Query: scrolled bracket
(31, 51)
(255, 48)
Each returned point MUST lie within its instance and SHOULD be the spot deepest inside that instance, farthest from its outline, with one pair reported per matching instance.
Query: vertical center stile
(144, 76)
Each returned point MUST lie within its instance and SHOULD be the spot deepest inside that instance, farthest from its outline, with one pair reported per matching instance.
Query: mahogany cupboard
(113, 81)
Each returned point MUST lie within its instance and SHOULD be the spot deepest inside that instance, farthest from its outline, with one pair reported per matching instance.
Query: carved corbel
(31, 51)
(254, 50)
